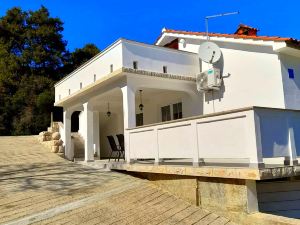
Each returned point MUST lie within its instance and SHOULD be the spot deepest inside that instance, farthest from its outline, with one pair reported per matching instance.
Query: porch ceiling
(114, 98)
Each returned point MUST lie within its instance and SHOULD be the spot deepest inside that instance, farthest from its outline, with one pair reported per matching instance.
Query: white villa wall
(291, 87)
(152, 106)
(252, 77)
(122, 54)
(276, 128)
(99, 65)
(153, 58)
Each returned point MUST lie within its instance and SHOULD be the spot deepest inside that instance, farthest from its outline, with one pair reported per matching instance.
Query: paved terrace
(39, 187)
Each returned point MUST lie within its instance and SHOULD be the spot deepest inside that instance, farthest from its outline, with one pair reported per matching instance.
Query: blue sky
(102, 22)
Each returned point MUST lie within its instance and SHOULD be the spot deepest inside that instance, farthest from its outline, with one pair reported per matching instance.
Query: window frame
(171, 106)
(177, 114)
(165, 69)
(135, 65)
(169, 116)
(139, 121)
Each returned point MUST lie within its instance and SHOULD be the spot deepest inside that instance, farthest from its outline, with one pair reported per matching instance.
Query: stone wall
(235, 199)
(231, 193)
(183, 187)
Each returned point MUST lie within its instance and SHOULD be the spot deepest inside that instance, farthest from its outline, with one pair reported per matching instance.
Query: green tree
(80, 56)
(33, 56)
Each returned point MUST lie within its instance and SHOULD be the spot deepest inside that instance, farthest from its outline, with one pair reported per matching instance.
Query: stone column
(129, 115)
(88, 132)
(66, 136)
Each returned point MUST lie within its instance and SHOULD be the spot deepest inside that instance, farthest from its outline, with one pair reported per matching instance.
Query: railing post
(127, 146)
(254, 147)
(157, 160)
(194, 136)
(292, 158)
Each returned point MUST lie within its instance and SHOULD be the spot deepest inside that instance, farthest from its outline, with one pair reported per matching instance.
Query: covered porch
(128, 102)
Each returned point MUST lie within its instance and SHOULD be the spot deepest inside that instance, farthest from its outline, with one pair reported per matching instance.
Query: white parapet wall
(242, 136)
(123, 54)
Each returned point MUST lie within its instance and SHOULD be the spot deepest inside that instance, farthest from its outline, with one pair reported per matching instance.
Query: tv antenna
(217, 15)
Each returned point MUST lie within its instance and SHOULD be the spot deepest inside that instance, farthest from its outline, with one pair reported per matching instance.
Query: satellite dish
(209, 52)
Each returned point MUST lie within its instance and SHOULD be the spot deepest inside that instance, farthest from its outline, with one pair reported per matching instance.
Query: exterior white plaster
(255, 73)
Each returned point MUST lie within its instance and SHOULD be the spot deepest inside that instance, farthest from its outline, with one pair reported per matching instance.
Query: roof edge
(263, 38)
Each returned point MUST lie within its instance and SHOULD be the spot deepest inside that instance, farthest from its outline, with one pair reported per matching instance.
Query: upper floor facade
(256, 70)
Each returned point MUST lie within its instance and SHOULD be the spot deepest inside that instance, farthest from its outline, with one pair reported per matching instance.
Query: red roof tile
(264, 38)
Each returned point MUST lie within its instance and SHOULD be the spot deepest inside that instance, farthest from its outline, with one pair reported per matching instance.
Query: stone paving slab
(39, 187)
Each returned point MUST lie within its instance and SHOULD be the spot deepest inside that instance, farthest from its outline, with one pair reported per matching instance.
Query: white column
(69, 150)
(96, 134)
(252, 201)
(128, 115)
(88, 132)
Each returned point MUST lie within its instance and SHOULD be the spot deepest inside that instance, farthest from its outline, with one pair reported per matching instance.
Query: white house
(253, 119)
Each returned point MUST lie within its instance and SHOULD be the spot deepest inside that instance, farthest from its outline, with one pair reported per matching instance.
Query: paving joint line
(69, 206)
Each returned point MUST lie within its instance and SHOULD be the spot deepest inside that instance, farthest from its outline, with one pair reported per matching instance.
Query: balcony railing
(248, 136)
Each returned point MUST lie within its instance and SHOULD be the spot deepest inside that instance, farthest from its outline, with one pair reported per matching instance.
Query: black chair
(114, 147)
(121, 144)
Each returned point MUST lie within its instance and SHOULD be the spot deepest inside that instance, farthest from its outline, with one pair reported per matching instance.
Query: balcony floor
(185, 167)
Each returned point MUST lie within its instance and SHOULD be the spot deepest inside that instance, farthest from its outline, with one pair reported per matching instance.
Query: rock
(45, 133)
(61, 149)
(55, 127)
(55, 136)
(54, 149)
(41, 138)
(57, 142)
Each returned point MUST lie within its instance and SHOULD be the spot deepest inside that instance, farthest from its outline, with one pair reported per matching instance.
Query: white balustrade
(244, 135)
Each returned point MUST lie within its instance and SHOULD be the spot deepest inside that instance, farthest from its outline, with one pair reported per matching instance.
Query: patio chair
(121, 143)
(113, 147)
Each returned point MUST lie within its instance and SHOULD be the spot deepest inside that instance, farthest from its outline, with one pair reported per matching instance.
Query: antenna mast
(217, 15)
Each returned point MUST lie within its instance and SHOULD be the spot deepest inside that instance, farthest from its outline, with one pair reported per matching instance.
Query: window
(95, 77)
(165, 69)
(111, 68)
(80, 85)
(135, 65)
(165, 113)
(139, 119)
(177, 111)
(69, 91)
(291, 73)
